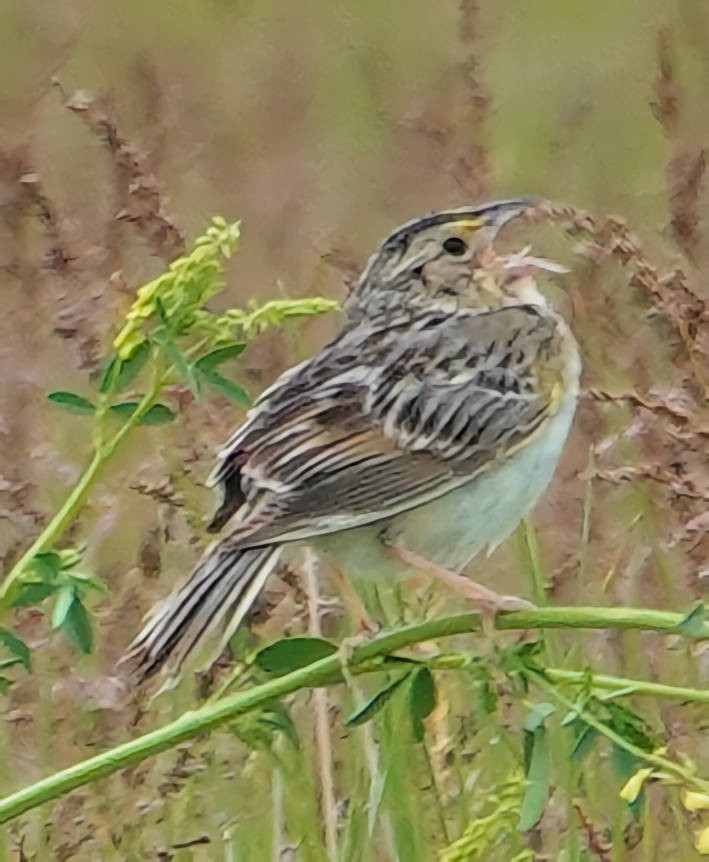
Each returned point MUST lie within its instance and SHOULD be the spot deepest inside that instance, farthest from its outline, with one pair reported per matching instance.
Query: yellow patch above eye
(468, 226)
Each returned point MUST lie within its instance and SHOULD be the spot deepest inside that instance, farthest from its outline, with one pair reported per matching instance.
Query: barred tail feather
(220, 590)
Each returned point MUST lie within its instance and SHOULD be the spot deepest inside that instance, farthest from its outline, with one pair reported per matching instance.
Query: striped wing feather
(377, 423)
(382, 422)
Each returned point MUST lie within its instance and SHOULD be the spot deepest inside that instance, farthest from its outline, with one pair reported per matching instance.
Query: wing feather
(380, 423)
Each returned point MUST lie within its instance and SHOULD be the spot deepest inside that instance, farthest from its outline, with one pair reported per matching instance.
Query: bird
(417, 438)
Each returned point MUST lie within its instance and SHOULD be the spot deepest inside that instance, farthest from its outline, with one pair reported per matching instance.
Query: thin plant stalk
(66, 513)
(367, 658)
(323, 741)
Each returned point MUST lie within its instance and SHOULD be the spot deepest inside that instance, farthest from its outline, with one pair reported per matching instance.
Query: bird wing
(385, 420)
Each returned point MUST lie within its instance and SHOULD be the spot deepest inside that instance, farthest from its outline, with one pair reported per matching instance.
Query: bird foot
(345, 651)
(489, 602)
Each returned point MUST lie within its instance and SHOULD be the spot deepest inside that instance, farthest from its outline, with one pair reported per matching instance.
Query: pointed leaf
(422, 700)
(225, 386)
(537, 790)
(32, 593)
(537, 715)
(625, 765)
(181, 363)
(71, 402)
(78, 626)
(9, 662)
(120, 372)
(628, 724)
(289, 654)
(279, 718)
(375, 704)
(69, 557)
(65, 598)
(4, 684)
(693, 623)
(47, 566)
(584, 743)
(158, 414)
(209, 361)
(85, 583)
(16, 647)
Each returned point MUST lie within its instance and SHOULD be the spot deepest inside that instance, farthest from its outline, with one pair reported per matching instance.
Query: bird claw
(489, 602)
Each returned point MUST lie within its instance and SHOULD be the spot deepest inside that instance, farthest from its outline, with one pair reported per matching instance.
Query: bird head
(444, 258)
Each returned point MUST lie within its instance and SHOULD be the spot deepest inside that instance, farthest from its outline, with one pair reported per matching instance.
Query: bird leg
(362, 624)
(487, 600)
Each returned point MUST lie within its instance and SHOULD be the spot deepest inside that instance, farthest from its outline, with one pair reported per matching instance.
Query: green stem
(656, 760)
(618, 684)
(628, 686)
(61, 520)
(73, 503)
(366, 658)
(598, 618)
(535, 565)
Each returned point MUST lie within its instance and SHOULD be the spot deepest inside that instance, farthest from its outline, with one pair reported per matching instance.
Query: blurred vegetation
(321, 126)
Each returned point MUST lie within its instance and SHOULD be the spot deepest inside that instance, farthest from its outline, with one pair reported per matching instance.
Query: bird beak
(491, 217)
(497, 214)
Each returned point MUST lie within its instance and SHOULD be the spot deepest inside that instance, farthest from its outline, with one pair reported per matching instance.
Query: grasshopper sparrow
(420, 436)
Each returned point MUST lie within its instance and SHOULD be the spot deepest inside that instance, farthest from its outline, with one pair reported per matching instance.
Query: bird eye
(455, 245)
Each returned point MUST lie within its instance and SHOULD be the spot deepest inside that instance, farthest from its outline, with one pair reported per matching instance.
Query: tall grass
(322, 131)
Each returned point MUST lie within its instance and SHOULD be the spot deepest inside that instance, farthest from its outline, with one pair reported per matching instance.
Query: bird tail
(219, 591)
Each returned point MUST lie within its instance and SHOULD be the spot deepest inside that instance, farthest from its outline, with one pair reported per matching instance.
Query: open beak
(498, 213)
(514, 210)
(487, 219)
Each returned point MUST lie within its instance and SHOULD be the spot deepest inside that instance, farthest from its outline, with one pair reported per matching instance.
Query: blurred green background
(322, 125)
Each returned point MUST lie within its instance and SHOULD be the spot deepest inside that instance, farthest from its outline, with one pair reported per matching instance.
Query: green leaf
(624, 762)
(9, 662)
(65, 598)
(71, 402)
(628, 724)
(484, 690)
(78, 626)
(120, 372)
(537, 715)
(225, 386)
(17, 648)
(209, 361)
(69, 557)
(258, 729)
(4, 684)
(85, 583)
(290, 654)
(625, 765)
(422, 700)
(375, 704)
(693, 623)
(32, 593)
(585, 740)
(180, 361)
(158, 414)
(47, 566)
(279, 719)
(538, 771)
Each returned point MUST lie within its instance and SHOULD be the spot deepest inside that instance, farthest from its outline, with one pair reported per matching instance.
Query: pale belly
(453, 529)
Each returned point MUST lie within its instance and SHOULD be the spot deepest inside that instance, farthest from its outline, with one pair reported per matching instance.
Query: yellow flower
(633, 786)
(181, 291)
